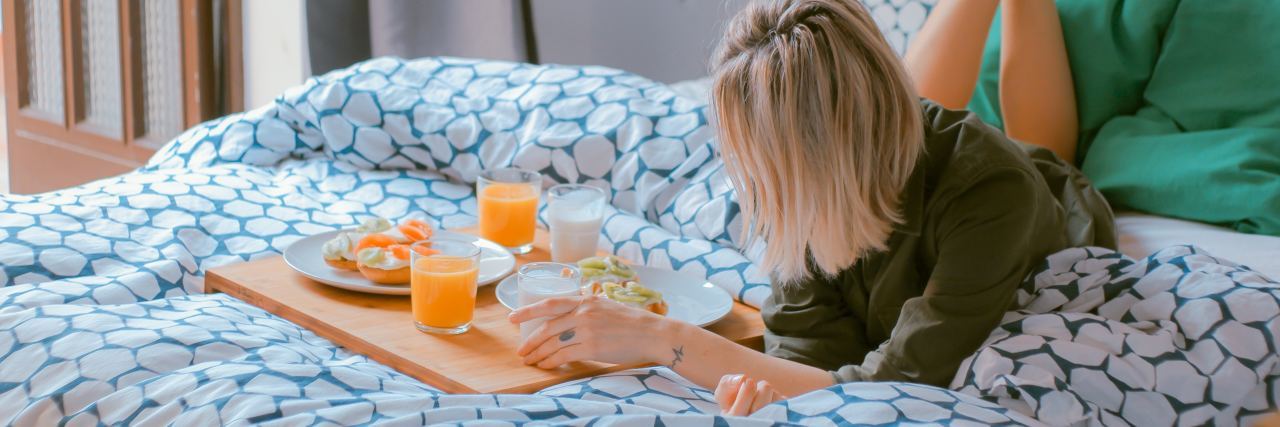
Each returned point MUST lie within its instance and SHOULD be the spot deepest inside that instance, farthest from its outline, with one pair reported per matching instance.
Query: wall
(473, 28)
(4, 137)
(668, 40)
(275, 49)
(4, 130)
(4, 146)
(665, 40)
(337, 33)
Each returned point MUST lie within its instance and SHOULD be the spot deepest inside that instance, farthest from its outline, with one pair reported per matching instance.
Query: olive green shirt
(979, 211)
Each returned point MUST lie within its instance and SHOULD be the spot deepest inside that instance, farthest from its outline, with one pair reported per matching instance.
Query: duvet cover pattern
(102, 319)
(1177, 338)
(211, 359)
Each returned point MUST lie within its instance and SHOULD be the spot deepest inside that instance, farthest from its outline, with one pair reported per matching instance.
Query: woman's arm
(1037, 95)
(945, 57)
(708, 357)
(592, 328)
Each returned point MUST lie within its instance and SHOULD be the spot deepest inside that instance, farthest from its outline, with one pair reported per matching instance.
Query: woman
(897, 230)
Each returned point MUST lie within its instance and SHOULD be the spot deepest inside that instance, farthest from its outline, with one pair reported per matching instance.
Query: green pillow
(1179, 105)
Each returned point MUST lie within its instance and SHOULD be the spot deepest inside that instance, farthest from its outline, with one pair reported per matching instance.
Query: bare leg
(945, 57)
(1037, 95)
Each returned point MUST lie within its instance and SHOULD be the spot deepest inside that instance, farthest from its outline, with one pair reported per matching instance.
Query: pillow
(1179, 105)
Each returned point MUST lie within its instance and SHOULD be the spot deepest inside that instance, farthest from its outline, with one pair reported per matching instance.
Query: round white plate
(689, 298)
(305, 257)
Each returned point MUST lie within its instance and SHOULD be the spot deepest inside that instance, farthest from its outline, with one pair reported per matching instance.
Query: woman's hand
(594, 328)
(742, 396)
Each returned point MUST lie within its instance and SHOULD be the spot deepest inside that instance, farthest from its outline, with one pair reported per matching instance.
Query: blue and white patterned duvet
(102, 318)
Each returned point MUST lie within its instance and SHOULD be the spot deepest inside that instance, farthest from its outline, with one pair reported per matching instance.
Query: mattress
(1142, 234)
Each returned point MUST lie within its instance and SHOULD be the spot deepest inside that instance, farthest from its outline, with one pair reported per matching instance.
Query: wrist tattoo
(566, 335)
(679, 356)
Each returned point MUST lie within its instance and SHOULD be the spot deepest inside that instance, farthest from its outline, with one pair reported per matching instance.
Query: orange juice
(443, 292)
(508, 213)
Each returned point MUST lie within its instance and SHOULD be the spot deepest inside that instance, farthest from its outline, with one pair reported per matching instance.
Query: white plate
(305, 257)
(689, 298)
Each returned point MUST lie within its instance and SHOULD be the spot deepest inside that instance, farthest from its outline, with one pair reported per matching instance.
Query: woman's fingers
(727, 390)
(562, 334)
(764, 396)
(570, 353)
(751, 395)
(546, 308)
(722, 392)
(555, 332)
(607, 331)
(746, 395)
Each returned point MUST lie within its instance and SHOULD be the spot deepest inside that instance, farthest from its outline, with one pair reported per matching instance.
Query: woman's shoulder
(961, 149)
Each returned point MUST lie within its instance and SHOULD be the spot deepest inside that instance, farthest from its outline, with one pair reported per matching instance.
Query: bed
(103, 318)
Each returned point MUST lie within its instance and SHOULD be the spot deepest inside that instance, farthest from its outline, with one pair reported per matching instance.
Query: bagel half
(399, 276)
(341, 264)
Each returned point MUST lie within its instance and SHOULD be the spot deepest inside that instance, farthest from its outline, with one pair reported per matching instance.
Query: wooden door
(94, 87)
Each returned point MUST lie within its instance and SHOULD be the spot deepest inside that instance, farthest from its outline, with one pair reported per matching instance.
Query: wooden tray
(482, 360)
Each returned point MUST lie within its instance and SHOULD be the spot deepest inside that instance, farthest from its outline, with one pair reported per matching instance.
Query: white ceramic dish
(689, 298)
(304, 256)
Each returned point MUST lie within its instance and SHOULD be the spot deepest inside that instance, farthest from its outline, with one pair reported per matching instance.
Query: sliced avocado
(595, 263)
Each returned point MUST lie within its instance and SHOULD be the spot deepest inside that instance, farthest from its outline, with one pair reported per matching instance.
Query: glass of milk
(537, 281)
(575, 213)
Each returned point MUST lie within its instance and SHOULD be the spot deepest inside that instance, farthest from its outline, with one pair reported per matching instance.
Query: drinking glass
(442, 285)
(537, 281)
(508, 203)
(575, 213)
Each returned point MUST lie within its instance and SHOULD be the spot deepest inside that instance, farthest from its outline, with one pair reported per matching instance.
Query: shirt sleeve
(811, 323)
(985, 245)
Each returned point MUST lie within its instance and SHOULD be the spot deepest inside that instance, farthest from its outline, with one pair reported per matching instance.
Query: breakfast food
(340, 251)
(612, 278)
(377, 249)
(380, 259)
(634, 294)
(601, 269)
(414, 230)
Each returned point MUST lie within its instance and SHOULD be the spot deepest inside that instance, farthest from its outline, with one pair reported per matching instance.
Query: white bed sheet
(1143, 234)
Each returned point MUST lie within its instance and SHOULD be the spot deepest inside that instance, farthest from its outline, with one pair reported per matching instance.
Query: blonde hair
(819, 128)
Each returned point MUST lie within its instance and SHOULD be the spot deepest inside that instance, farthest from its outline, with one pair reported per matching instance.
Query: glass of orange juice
(508, 203)
(442, 285)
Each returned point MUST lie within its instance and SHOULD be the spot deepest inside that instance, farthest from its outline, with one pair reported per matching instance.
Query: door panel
(100, 84)
(40, 59)
(161, 51)
(99, 58)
